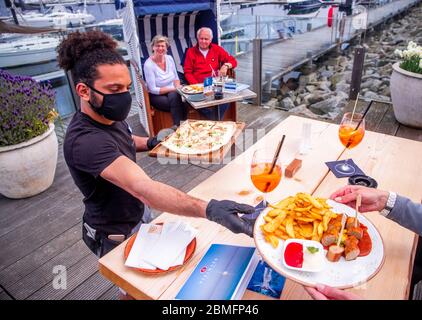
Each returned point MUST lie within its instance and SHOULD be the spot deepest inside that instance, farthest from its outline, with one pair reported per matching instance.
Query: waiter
(100, 151)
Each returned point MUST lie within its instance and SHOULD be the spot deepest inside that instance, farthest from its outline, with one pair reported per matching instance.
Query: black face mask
(115, 106)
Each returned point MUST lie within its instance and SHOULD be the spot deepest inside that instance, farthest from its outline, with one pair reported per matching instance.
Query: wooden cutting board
(217, 156)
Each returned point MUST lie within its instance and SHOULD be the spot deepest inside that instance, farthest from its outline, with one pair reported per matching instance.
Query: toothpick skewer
(354, 108)
(358, 204)
(340, 235)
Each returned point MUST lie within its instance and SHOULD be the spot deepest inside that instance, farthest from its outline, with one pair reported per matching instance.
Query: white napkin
(147, 236)
(174, 238)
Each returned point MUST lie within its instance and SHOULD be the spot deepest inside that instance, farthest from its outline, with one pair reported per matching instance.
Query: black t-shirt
(89, 148)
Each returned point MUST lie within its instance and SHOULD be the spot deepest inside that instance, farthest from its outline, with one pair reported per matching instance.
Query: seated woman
(162, 80)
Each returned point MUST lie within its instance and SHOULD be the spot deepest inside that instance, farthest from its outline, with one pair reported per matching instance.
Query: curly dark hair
(82, 52)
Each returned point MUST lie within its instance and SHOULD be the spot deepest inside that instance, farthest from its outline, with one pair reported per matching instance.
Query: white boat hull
(13, 59)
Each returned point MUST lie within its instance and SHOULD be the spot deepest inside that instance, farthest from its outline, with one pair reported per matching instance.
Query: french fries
(301, 216)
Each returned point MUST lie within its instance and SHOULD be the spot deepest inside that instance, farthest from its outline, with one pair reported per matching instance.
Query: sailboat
(59, 17)
(303, 4)
(27, 50)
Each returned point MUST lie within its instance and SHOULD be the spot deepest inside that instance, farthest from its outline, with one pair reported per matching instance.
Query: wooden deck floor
(44, 231)
(284, 56)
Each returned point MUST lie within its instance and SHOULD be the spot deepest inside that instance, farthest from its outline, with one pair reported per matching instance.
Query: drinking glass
(264, 175)
(350, 133)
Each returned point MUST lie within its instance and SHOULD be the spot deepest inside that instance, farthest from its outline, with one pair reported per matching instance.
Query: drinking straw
(280, 144)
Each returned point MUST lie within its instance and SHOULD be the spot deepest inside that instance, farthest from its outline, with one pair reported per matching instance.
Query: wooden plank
(111, 294)
(26, 239)
(38, 216)
(91, 289)
(77, 274)
(409, 133)
(196, 180)
(43, 276)
(388, 124)
(178, 177)
(164, 155)
(12, 207)
(40, 256)
(4, 296)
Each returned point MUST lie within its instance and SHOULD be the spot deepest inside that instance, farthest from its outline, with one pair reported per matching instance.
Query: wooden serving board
(217, 156)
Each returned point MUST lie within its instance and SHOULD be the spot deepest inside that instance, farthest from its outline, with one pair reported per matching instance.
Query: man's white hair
(204, 29)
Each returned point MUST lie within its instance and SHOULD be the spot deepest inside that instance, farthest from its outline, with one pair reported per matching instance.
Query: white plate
(342, 274)
(190, 90)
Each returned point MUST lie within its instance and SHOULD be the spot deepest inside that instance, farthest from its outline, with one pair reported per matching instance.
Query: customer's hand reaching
(322, 292)
(372, 199)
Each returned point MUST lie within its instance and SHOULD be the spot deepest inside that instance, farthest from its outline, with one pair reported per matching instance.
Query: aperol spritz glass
(265, 177)
(350, 133)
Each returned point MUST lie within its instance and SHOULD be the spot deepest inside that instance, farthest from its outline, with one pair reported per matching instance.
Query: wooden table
(379, 156)
(230, 98)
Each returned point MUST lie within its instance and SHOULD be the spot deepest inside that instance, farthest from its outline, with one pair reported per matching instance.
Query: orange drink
(350, 137)
(350, 133)
(261, 177)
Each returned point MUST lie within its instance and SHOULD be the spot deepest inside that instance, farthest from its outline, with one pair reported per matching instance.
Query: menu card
(222, 274)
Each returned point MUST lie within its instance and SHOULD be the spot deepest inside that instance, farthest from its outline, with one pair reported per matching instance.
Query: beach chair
(178, 20)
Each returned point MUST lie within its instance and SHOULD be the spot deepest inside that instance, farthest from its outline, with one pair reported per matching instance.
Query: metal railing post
(257, 70)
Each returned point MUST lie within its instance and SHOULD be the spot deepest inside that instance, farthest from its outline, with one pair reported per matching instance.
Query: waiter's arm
(140, 143)
(127, 175)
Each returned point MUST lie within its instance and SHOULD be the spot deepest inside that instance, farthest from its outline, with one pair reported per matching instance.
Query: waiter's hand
(164, 133)
(225, 213)
(152, 142)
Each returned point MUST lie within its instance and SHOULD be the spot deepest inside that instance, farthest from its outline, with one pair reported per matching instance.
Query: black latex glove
(225, 213)
(153, 141)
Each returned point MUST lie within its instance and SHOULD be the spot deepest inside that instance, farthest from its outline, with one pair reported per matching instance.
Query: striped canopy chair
(178, 20)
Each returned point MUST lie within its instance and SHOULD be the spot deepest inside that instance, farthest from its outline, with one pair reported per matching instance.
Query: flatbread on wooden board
(200, 136)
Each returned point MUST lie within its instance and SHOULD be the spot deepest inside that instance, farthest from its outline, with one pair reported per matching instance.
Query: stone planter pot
(406, 95)
(28, 168)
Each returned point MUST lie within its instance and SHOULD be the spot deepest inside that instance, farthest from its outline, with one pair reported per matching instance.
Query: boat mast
(11, 6)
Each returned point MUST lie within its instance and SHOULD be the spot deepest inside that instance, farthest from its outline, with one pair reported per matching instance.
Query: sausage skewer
(354, 229)
(331, 235)
(335, 251)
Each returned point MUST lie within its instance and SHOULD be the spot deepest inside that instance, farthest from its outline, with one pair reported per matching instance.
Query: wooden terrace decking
(44, 231)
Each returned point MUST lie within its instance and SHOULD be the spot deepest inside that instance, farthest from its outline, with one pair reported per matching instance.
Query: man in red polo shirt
(204, 58)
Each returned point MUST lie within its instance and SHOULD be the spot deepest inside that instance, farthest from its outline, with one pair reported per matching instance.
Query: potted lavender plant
(406, 86)
(28, 142)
